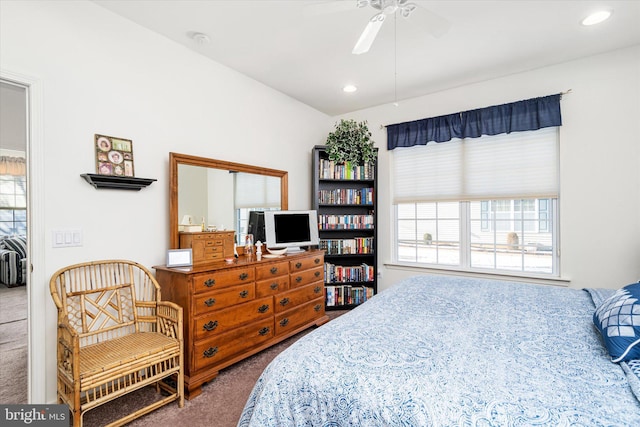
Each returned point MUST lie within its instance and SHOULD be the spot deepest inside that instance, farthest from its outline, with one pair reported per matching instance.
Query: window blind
(505, 166)
(256, 191)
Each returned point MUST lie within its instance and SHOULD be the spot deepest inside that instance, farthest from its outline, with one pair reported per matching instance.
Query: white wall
(100, 73)
(599, 159)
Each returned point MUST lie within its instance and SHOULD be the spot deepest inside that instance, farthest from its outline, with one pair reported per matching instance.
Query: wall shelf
(117, 182)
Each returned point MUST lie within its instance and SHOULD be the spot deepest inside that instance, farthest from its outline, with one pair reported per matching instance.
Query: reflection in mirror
(222, 199)
(220, 194)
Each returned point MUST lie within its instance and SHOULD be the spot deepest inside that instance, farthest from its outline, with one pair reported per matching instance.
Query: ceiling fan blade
(369, 34)
(430, 21)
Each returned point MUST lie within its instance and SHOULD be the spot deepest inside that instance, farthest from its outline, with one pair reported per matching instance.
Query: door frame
(37, 283)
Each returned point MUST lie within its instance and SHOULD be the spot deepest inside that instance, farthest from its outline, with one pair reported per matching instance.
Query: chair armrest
(68, 348)
(169, 319)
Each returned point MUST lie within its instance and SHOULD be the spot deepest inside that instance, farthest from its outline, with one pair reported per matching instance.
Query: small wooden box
(208, 246)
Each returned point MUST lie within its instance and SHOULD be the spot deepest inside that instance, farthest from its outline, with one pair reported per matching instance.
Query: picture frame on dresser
(179, 258)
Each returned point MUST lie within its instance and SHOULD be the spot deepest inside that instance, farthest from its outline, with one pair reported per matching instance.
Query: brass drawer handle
(317, 274)
(284, 322)
(284, 301)
(298, 279)
(210, 302)
(264, 331)
(273, 270)
(317, 307)
(244, 294)
(317, 260)
(210, 352)
(243, 276)
(263, 308)
(317, 289)
(210, 326)
(298, 264)
(209, 283)
(274, 286)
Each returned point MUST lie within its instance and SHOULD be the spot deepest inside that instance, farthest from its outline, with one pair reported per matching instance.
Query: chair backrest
(106, 299)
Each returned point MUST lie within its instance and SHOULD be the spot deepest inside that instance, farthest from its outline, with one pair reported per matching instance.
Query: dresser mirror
(219, 193)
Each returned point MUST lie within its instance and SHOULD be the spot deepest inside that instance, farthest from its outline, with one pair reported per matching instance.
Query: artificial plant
(351, 142)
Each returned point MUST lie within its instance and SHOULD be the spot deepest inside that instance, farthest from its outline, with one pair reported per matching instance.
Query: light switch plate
(66, 238)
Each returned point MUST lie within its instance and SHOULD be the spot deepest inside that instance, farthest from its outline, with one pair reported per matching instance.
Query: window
(13, 205)
(464, 235)
(480, 204)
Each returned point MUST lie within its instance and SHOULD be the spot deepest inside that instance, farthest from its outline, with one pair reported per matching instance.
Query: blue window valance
(530, 114)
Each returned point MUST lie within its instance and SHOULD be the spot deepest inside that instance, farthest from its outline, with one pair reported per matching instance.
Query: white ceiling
(303, 47)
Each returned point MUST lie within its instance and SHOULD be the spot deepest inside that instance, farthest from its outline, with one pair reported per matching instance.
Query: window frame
(13, 206)
(465, 243)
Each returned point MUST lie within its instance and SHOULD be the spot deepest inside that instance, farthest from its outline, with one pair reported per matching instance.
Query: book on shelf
(356, 245)
(348, 273)
(346, 196)
(345, 222)
(337, 295)
(329, 169)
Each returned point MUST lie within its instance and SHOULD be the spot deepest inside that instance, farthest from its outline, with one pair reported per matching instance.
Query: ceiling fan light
(596, 17)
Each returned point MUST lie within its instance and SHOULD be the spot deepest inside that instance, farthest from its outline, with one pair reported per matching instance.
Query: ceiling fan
(434, 24)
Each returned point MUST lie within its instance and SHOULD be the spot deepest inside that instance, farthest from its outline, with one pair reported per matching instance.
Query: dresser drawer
(212, 256)
(206, 302)
(218, 322)
(272, 286)
(289, 320)
(214, 242)
(297, 296)
(223, 279)
(272, 270)
(305, 277)
(306, 263)
(225, 346)
(208, 250)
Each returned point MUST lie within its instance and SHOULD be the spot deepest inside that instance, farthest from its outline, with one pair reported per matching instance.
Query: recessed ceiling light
(200, 38)
(596, 17)
(349, 88)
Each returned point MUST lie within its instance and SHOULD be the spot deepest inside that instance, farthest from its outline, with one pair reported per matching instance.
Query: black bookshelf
(345, 197)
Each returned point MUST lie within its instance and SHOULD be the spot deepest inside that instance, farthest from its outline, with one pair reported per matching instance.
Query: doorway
(14, 337)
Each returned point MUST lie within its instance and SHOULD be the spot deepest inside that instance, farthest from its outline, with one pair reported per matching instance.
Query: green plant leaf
(351, 142)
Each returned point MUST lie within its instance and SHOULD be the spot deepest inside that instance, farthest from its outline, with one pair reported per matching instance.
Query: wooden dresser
(232, 311)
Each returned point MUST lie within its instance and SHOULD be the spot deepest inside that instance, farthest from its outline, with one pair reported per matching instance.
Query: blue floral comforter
(450, 351)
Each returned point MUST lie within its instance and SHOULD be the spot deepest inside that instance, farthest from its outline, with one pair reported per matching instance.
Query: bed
(451, 351)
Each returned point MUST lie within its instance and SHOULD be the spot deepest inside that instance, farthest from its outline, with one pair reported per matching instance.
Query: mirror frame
(176, 159)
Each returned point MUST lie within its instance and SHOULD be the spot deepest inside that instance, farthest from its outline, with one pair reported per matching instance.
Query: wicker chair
(115, 335)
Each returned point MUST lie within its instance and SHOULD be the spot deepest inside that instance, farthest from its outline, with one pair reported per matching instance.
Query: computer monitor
(291, 229)
(256, 226)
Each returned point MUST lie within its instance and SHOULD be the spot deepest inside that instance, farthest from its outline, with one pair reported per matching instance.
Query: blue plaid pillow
(618, 320)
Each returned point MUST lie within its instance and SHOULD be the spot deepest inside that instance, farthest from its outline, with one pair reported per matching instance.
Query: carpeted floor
(13, 345)
(219, 405)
